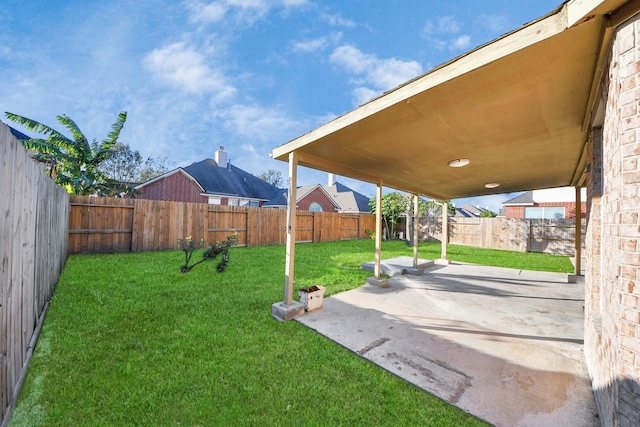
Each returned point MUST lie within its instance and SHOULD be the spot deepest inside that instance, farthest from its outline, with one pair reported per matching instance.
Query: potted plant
(311, 297)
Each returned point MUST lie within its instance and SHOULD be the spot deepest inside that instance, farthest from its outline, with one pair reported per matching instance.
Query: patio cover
(519, 108)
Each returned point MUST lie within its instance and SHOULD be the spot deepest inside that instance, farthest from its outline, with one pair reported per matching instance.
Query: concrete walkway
(502, 344)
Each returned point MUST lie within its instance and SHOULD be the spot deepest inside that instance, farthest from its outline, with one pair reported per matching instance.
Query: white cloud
(441, 34)
(374, 75)
(338, 20)
(185, 68)
(258, 123)
(448, 24)
(244, 10)
(460, 43)
(317, 44)
(495, 23)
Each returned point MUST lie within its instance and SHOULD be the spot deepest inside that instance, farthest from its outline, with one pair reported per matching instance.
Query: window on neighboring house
(254, 204)
(544, 212)
(315, 207)
(233, 202)
(215, 200)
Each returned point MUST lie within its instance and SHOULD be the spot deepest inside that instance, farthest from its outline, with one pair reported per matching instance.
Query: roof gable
(525, 198)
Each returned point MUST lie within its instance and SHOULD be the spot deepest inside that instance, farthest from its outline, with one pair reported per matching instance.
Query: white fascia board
(579, 10)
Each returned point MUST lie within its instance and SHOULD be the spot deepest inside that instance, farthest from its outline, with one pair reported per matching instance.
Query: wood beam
(445, 229)
(291, 228)
(416, 218)
(578, 238)
(376, 268)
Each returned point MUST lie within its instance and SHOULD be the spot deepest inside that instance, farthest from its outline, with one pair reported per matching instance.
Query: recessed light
(492, 185)
(458, 163)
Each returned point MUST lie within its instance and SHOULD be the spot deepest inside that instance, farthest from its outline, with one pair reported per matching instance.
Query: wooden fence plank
(34, 218)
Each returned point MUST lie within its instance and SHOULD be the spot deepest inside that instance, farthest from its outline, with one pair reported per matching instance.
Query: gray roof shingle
(229, 180)
(524, 198)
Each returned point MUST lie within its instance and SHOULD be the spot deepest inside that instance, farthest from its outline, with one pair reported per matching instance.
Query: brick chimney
(221, 157)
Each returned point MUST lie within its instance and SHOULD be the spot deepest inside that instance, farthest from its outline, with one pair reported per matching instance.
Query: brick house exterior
(563, 198)
(333, 197)
(213, 181)
(175, 186)
(316, 196)
(612, 281)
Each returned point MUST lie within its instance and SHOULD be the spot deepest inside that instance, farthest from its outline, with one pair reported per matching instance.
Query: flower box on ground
(311, 297)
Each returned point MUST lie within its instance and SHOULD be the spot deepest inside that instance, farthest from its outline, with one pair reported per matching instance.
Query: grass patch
(129, 340)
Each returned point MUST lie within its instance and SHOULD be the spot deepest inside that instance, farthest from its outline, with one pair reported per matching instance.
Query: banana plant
(72, 163)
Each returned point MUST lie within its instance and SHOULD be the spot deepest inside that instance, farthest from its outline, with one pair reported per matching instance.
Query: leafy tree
(154, 167)
(486, 213)
(127, 165)
(73, 163)
(433, 208)
(394, 207)
(273, 177)
(123, 165)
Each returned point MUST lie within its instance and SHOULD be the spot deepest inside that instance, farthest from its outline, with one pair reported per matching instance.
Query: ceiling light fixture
(492, 185)
(458, 163)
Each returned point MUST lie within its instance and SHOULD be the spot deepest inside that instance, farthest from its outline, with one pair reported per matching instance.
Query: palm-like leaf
(74, 162)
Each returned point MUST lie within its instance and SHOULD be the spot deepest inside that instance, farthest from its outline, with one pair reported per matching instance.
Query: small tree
(394, 207)
(127, 165)
(273, 177)
(188, 246)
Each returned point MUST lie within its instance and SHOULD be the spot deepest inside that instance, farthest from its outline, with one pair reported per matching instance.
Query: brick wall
(174, 188)
(612, 306)
(317, 196)
(569, 209)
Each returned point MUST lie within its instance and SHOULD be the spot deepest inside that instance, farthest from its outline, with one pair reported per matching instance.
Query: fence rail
(100, 224)
(34, 219)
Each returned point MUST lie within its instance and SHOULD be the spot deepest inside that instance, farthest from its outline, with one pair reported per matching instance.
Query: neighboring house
(333, 197)
(550, 203)
(212, 181)
(468, 211)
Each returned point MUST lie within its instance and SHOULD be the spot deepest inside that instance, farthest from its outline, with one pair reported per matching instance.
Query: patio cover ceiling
(518, 107)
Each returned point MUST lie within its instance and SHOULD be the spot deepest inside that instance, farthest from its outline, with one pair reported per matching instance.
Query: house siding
(174, 188)
(317, 196)
(612, 291)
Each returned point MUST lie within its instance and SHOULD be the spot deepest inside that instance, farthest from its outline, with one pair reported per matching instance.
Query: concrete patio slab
(502, 344)
(399, 265)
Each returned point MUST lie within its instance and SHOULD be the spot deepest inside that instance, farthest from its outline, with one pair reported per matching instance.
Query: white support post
(376, 268)
(416, 219)
(288, 308)
(578, 239)
(445, 231)
(291, 228)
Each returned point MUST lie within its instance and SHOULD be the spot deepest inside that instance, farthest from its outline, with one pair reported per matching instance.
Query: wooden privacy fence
(101, 224)
(34, 219)
(556, 236)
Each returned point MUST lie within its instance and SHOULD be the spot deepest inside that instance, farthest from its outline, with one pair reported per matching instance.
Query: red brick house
(558, 203)
(212, 181)
(333, 197)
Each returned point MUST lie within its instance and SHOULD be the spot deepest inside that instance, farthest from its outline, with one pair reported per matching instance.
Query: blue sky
(249, 75)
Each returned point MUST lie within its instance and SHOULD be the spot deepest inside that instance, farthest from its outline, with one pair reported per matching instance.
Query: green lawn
(129, 340)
